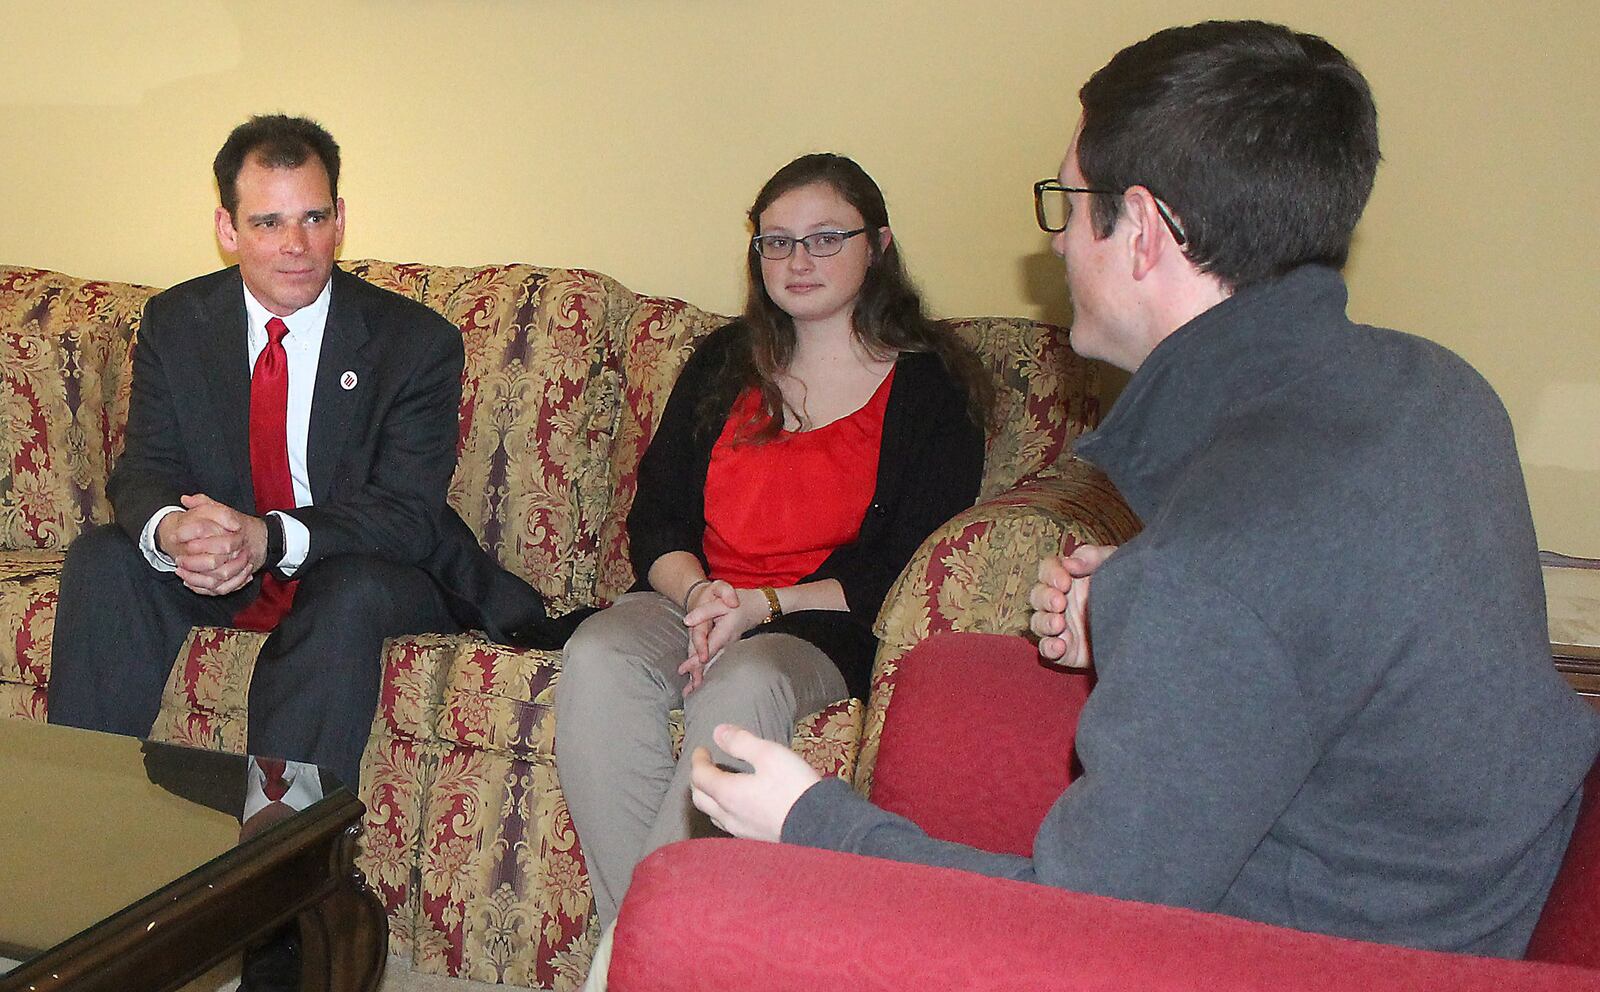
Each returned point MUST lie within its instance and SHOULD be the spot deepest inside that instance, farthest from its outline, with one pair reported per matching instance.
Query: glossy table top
(90, 823)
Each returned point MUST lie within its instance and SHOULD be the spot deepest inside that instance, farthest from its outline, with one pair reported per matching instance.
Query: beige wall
(629, 135)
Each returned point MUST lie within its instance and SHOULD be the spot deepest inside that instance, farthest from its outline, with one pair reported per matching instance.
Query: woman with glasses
(806, 451)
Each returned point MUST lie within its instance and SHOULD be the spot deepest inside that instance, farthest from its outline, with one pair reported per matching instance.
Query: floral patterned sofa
(468, 842)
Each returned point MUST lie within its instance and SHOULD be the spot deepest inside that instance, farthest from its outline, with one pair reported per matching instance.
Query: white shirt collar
(305, 324)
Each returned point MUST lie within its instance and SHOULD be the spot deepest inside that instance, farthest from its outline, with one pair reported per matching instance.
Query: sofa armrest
(774, 917)
(973, 574)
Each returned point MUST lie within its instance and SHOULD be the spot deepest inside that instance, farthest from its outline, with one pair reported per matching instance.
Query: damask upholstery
(64, 344)
(27, 608)
(64, 354)
(468, 842)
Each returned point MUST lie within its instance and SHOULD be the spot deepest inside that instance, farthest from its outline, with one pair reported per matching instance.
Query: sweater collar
(1213, 365)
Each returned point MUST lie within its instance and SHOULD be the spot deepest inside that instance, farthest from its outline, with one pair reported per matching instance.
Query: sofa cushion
(203, 702)
(397, 770)
(502, 892)
(28, 585)
(538, 408)
(504, 895)
(1045, 396)
(654, 338)
(500, 699)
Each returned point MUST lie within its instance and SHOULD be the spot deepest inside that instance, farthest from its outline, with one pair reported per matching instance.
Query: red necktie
(269, 467)
(272, 782)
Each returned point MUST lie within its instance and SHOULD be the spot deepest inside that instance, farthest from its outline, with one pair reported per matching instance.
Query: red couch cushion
(1004, 722)
(1569, 929)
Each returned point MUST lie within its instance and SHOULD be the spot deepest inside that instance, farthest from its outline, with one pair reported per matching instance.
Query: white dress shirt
(303, 347)
(304, 781)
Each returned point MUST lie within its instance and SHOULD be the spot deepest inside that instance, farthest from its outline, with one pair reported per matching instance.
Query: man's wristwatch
(274, 542)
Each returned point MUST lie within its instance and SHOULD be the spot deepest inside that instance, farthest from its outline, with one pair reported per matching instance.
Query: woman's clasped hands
(718, 614)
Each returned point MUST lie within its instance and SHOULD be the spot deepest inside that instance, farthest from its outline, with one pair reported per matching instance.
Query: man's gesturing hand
(1060, 600)
(750, 804)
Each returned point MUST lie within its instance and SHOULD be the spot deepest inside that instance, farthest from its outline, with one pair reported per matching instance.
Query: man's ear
(338, 219)
(227, 236)
(1150, 239)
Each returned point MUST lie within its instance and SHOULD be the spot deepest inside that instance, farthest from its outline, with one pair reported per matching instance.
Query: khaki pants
(627, 793)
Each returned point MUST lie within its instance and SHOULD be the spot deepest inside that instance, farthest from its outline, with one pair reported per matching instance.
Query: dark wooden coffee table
(122, 867)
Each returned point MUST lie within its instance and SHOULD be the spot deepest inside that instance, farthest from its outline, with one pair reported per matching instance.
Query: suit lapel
(332, 405)
(223, 362)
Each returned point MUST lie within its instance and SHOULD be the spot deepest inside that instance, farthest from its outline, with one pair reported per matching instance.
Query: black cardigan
(929, 467)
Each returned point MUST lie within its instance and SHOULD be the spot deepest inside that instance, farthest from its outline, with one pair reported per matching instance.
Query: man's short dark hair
(277, 142)
(1262, 140)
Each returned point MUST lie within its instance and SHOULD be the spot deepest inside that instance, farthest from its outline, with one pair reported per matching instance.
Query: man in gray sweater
(1324, 697)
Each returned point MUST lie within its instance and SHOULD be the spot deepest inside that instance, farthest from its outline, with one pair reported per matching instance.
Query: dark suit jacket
(379, 455)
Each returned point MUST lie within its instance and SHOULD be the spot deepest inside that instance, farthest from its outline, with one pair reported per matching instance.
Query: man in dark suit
(291, 436)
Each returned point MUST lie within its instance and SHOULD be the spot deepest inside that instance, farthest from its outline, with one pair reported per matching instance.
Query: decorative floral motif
(468, 841)
(64, 358)
(655, 337)
(22, 702)
(28, 582)
(570, 963)
(203, 704)
(828, 739)
(1045, 396)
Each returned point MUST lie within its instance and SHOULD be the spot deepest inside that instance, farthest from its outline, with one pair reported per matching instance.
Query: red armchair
(980, 763)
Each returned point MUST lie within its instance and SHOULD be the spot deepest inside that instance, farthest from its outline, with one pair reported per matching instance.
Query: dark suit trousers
(120, 623)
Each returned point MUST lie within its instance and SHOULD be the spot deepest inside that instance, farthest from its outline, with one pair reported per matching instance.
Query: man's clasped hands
(215, 547)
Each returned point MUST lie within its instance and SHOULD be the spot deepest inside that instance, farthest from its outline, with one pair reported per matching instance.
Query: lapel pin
(348, 380)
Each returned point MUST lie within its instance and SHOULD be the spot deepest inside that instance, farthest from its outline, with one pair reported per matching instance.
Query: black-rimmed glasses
(818, 245)
(1052, 208)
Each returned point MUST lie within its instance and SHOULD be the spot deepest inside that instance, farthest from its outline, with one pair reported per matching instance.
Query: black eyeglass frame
(794, 242)
(1057, 186)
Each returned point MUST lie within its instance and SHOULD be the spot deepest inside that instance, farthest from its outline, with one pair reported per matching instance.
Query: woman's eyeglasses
(818, 245)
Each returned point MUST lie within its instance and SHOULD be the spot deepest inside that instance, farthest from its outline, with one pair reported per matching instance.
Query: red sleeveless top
(775, 511)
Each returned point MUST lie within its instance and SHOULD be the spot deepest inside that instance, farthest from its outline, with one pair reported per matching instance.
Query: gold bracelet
(775, 609)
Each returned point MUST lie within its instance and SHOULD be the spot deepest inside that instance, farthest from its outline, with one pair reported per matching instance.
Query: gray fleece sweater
(1324, 697)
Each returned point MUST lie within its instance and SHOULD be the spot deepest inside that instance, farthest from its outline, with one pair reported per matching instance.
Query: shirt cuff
(296, 544)
(147, 541)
